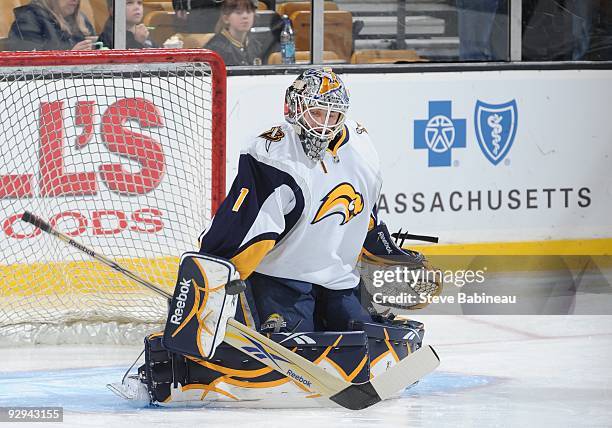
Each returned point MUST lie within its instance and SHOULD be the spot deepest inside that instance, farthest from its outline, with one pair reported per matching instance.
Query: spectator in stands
(51, 25)
(233, 40)
(137, 34)
(201, 16)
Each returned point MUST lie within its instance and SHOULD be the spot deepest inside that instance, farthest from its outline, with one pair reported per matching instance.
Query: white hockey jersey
(290, 217)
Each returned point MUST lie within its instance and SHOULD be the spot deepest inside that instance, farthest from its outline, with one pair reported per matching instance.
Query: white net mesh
(118, 156)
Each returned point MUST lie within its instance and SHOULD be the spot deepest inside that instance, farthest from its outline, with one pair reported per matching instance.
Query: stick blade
(409, 370)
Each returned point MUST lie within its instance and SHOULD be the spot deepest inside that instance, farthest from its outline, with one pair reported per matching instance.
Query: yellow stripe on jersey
(248, 259)
(341, 141)
(372, 223)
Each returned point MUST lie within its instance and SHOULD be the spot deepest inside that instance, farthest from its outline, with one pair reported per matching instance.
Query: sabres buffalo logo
(329, 83)
(342, 200)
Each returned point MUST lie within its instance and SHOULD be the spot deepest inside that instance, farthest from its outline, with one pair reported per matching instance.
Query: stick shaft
(46, 227)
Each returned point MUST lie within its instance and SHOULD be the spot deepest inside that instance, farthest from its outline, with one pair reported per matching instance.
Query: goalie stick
(351, 396)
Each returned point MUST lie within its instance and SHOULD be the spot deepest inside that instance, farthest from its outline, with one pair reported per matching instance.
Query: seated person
(233, 40)
(137, 34)
(51, 25)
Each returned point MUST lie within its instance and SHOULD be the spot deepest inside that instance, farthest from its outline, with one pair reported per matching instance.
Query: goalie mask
(316, 105)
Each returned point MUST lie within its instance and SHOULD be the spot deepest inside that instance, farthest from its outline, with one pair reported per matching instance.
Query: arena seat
(385, 56)
(338, 36)
(6, 15)
(100, 13)
(303, 57)
(290, 8)
(97, 13)
(157, 5)
(163, 25)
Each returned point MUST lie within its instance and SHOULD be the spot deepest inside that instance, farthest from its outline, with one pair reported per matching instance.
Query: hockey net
(122, 150)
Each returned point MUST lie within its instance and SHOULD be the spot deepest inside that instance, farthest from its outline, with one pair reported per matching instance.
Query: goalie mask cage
(125, 152)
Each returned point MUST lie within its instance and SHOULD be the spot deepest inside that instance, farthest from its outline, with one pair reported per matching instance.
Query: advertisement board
(482, 156)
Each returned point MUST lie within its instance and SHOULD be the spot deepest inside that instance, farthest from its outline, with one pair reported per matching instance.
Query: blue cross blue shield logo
(496, 126)
(439, 133)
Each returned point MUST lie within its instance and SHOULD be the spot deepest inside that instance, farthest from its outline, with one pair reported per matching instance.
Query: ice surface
(495, 371)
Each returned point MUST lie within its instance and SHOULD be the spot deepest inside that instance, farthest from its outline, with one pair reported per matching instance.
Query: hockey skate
(132, 389)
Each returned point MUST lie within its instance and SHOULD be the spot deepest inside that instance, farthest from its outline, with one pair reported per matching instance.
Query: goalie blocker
(205, 297)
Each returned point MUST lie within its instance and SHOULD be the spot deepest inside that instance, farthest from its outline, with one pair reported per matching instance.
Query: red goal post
(124, 150)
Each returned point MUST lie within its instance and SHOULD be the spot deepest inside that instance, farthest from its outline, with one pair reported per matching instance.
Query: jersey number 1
(243, 193)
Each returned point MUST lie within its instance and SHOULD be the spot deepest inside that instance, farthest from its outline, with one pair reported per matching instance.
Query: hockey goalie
(295, 228)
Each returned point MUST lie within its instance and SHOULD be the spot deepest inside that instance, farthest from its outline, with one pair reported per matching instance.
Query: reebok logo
(82, 248)
(177, 316)
(381, 236)
(299, 378)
